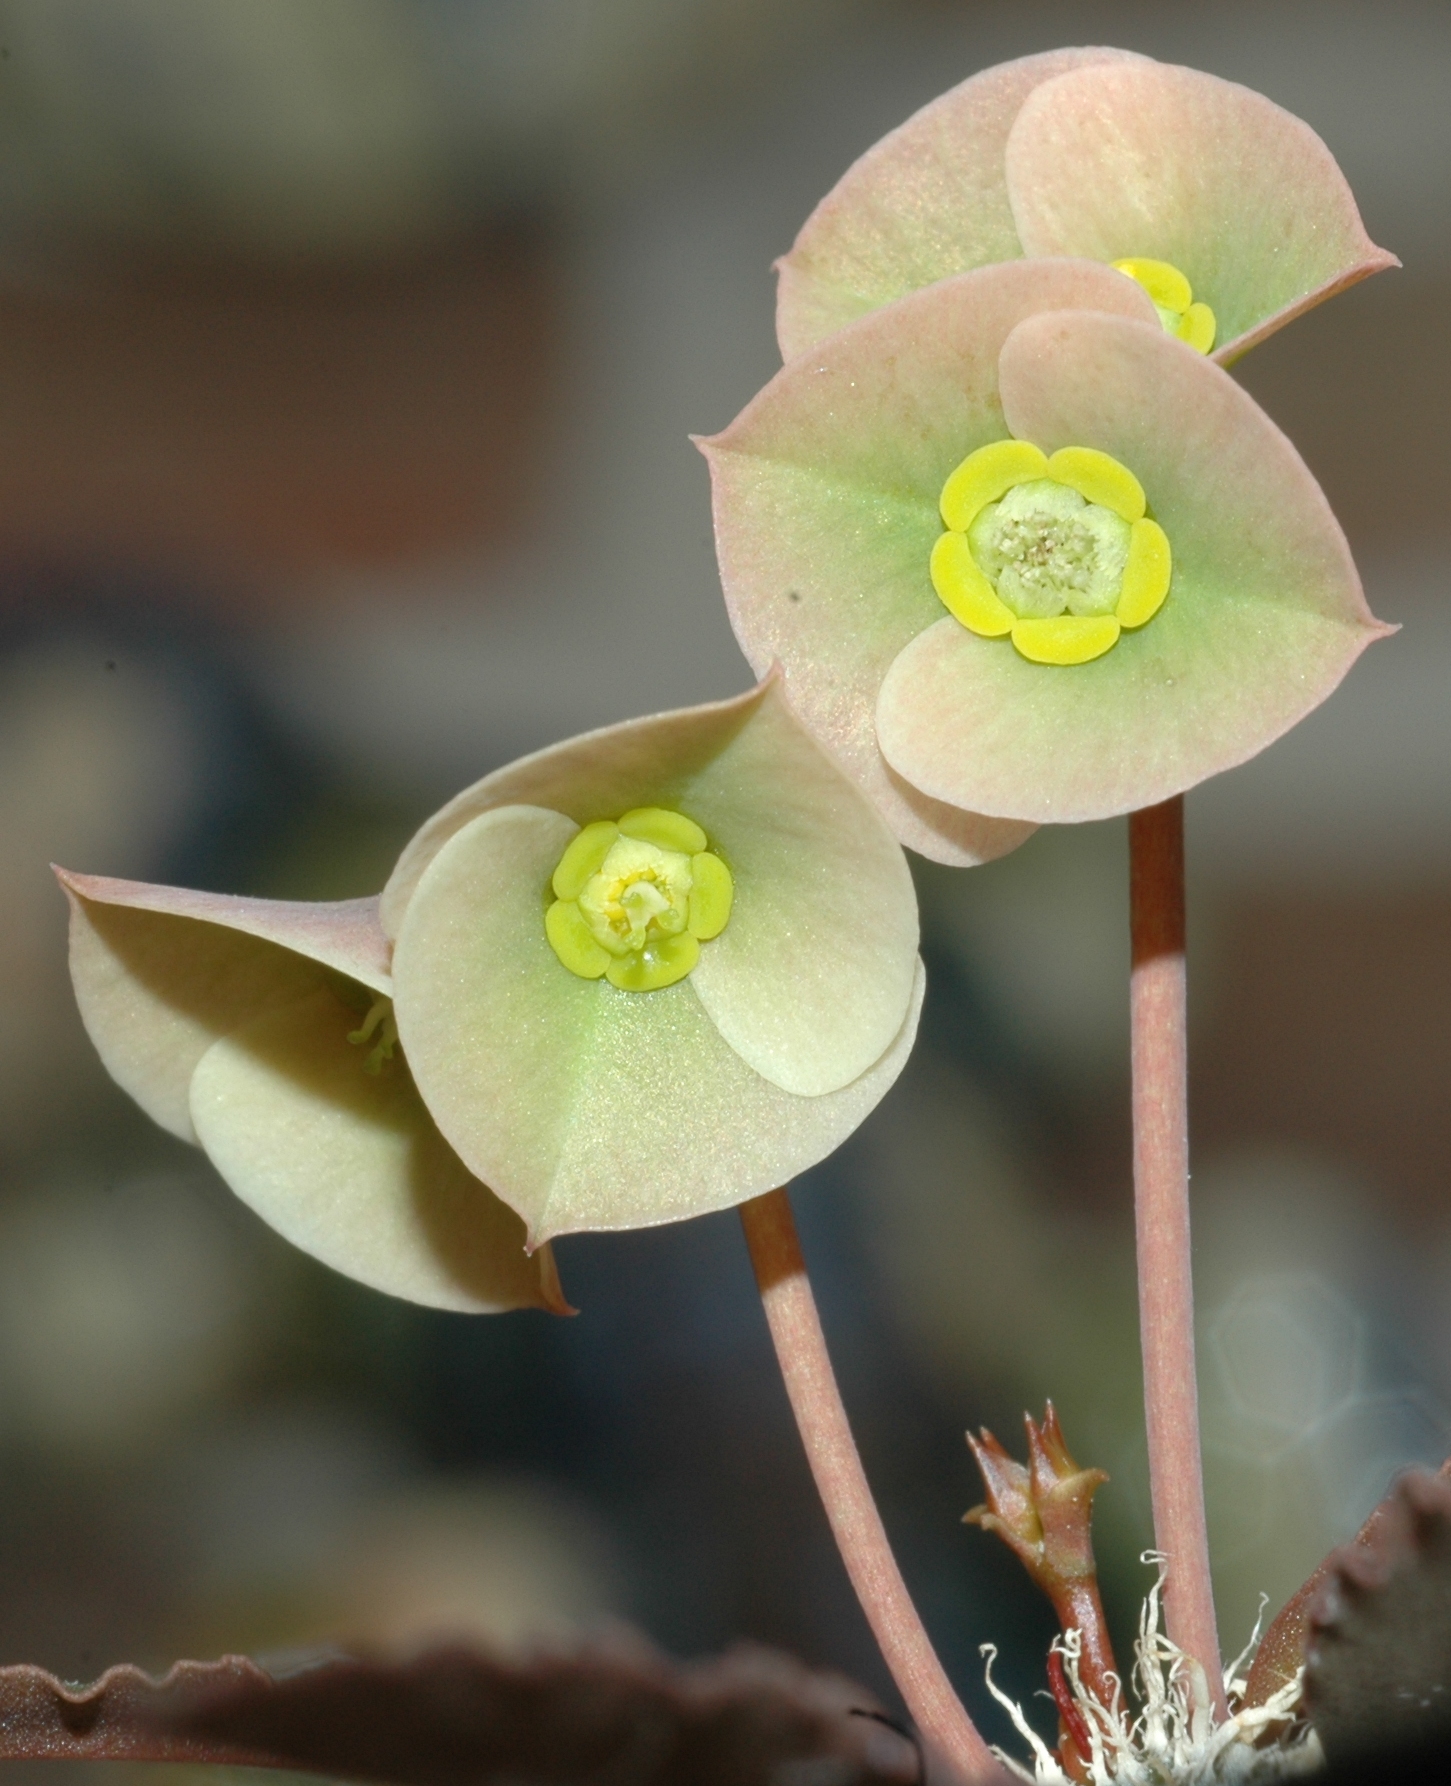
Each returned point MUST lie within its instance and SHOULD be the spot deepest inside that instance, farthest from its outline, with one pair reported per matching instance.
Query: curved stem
(855, 1522)
(1161, 1214)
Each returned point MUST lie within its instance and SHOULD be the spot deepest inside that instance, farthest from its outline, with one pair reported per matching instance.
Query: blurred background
(348, 350)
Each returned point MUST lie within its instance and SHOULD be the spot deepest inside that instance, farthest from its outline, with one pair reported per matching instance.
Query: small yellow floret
(712, 892)
(1146, 574)
(1067, 639)
(582, 859)
(985, 476)
(1197, 327)
(662, 964)
(1098, 478)
(1164, 283)
(571, 940)
(965, 591)
(658, 825)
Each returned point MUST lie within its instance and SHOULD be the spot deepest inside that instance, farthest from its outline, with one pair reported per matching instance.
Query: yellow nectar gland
(635, 897)
(1056, 553)
(1174, 300)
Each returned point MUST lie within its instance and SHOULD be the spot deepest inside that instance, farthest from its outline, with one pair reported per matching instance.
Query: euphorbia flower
(1029, 561)
(258, 1029)
(645, 973)
(1231, 210)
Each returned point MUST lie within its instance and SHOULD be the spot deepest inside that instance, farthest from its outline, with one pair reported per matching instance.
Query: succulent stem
(1161, 1203)
(840, 1480)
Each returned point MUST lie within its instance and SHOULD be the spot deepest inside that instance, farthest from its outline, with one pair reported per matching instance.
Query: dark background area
(348, 350)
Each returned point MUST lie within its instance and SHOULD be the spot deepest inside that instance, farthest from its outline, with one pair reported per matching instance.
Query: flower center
(1174, 300)
(1057, 553)
(635, 897)
(1045, 549)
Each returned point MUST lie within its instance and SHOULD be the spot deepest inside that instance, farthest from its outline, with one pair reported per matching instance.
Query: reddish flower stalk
(1161, 1204)
(845, 1493)
(1043, 1513)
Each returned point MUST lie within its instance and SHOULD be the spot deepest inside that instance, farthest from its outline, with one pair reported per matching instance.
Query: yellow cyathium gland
(635, 897)
(1173, 298)
(1057, 553)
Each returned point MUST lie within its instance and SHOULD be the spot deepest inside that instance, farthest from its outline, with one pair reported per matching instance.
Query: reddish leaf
(615, 1714)
(1378, 1659)
(1282, 1648)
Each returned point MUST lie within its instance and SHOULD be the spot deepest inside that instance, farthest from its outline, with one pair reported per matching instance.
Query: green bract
(255, 1027)
(832, 495)
(1097, 154)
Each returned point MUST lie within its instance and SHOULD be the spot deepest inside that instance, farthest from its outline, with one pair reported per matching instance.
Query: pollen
(1056, 553)
(635, 897)
(1173, 298)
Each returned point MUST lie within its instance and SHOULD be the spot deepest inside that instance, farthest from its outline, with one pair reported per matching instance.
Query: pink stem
(840, 1480)
(1161, 1203)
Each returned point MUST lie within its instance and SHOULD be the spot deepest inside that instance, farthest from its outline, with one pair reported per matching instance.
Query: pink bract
(826, 503)
(1094, 153)
(826, 490)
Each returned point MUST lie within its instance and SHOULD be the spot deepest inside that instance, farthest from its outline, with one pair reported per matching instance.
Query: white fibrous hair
(1173, 1739)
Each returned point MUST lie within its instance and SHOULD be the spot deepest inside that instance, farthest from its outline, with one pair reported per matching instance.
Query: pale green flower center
(1046, 550)
(635, 897)
(1056, 553)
